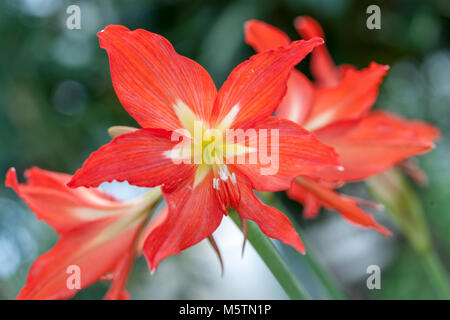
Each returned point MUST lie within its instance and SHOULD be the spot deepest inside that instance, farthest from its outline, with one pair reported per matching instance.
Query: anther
(233, 178)
(216, 183)
(224, 173)
(227, 189)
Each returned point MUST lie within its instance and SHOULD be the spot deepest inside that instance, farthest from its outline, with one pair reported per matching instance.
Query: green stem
(393, 190)
(329, 284)
(273, 260)
(437, 273)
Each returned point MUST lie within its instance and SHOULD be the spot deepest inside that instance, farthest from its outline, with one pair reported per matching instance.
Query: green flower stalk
(405, 209)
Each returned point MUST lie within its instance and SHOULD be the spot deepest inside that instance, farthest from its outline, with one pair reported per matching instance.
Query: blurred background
(57, 101)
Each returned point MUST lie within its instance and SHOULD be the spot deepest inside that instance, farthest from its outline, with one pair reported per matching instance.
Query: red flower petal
(150, 78)
(82, 247)
(352, 98)
(376, 143)
(193, 215)
(140, 157)
(157, 219)
(322, 66)
(299, 153)
(121, 272)
(124, 295)
(344, 205)
(255, 88)
(308, 27)
(61, 207)
(272, 222)
(337, 129)
(262, 36)
(298, 101)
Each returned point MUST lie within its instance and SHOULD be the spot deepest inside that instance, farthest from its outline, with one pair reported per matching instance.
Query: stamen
(233, 178)
(411, 169)
(365, 203)
(216, 184)
(215, 247)
(227, 190)
(244, 226)
(224, 173)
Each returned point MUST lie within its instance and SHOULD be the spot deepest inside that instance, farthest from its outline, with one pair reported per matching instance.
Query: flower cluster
(323, 135)
(336, 108)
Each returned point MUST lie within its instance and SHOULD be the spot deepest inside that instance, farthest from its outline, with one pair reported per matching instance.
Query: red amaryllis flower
(100, 236)
(337, 109)
(165, 92)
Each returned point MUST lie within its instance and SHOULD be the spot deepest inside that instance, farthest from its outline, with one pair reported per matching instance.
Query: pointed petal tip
(216, 249)
(297, 244)
(383, 68)
(111, 27)
(249, 26)
(301, 250)
(318, 40)
(335, 160)
(76, 181)
(21, 296)
(384, 231)
(313, 42)
(308, 27)
(249, 23)
(152, 266)
(11, 178)
(263, 36)
(72, 183)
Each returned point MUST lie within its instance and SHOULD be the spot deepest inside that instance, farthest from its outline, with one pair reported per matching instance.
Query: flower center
(208, 148)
